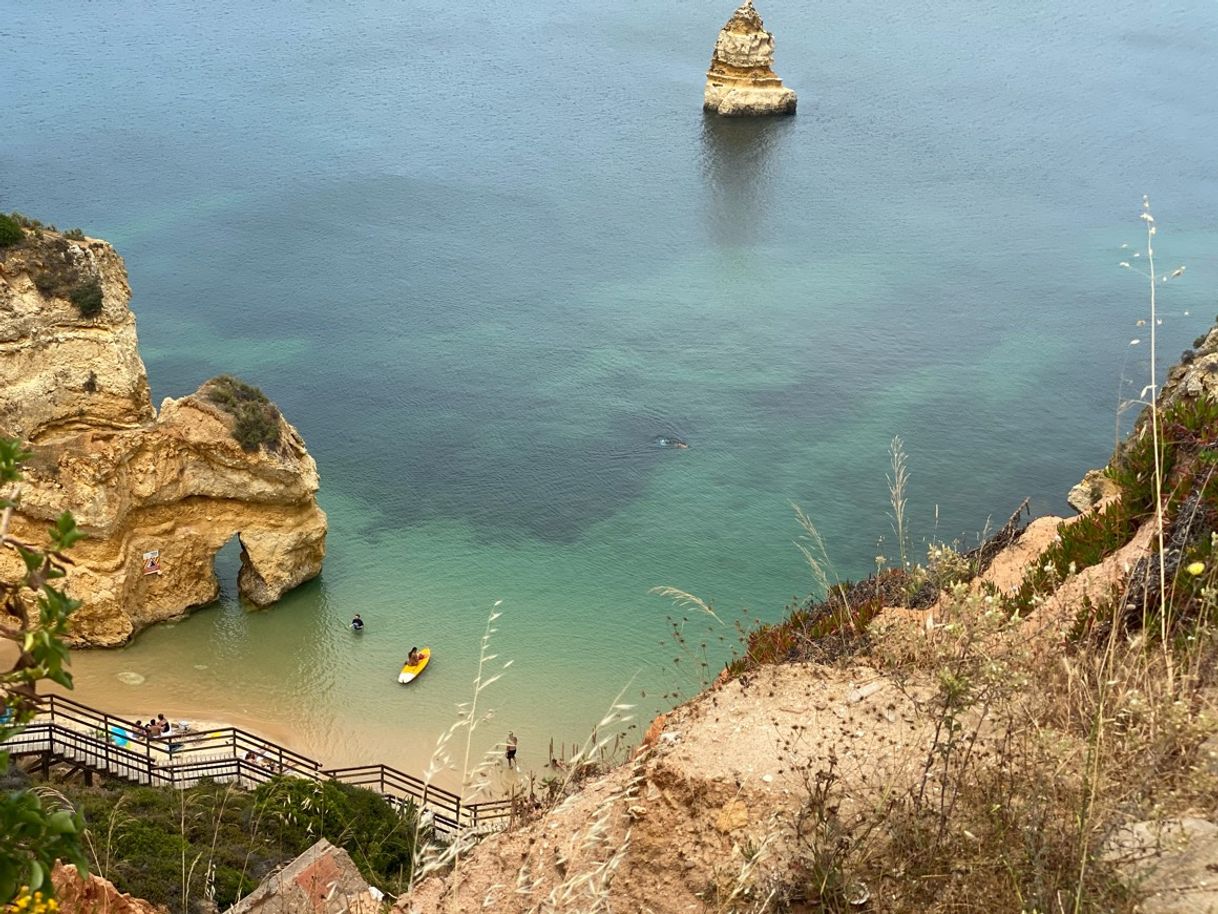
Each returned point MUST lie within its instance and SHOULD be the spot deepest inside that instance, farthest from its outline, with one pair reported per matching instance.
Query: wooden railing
(68, 730)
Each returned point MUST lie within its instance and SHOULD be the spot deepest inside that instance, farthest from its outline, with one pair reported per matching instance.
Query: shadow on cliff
(738, 162)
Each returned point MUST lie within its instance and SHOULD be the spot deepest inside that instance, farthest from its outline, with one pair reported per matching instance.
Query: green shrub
(10, 231)
(60, 274)
(141, 834)
(87, 297)
(256, 420)
(378, 837)
(256, 425)
(24, 221)
(75, 234)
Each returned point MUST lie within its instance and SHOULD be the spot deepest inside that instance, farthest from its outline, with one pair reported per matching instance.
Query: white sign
(152, 562)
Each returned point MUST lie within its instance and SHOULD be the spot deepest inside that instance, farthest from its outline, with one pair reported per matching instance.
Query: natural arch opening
(227, 566)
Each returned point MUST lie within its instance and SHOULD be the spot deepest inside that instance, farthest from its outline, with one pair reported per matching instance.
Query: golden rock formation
(741, 81)
(156, 495)
(63, 371)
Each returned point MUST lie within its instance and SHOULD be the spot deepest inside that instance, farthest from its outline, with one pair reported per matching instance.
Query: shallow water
(482, 257)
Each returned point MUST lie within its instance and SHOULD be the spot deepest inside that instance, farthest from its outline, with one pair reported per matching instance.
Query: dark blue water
(483, 256)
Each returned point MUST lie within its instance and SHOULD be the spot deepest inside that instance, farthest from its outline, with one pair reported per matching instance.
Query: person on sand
(357, 624)
(163, 725)
(511, 749)
(413, 658)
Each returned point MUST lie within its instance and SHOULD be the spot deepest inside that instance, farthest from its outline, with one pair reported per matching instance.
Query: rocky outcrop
(722, 779)
(156, 495)
(741, 80)
(1094, 491)
(62, 371)
(79, 894)
(322, 880)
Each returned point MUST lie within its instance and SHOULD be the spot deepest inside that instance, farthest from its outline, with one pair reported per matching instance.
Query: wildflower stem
(1154, 424)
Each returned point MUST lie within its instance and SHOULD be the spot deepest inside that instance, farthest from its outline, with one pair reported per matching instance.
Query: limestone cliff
(178, 484)
(63, 371)
(741, 80)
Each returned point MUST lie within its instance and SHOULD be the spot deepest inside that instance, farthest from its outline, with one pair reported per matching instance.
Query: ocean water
(483, 256)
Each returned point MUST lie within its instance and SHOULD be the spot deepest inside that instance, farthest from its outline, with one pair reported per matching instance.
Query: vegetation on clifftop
(10, 231)
(56, 265)
(256, 420)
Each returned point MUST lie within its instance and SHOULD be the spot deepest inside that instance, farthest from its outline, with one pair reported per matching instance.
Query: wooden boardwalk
(95, 743)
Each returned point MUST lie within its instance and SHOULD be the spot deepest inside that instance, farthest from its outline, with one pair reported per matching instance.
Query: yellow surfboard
(410, 671)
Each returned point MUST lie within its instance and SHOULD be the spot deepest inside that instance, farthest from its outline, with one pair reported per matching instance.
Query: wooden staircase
(91, 743)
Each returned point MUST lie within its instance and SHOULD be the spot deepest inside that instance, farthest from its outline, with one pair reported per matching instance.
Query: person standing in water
(357, 624)
(511, 749)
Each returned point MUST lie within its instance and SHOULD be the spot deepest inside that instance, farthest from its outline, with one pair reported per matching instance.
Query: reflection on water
(738, 165)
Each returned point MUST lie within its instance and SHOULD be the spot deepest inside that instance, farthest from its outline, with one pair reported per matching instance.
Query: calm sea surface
(482, 256)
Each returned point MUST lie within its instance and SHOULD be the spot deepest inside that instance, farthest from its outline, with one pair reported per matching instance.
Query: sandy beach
(124, 700)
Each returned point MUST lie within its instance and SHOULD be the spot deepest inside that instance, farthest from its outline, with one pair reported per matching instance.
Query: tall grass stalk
(1151, 229)
(897, 483)
(1155, 433)
(681, 598)
(811, 546)
(114, 823)
(430, 858)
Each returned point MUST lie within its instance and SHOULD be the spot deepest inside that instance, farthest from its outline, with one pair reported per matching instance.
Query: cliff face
(63, 372)
(176, 484)
(741, 80)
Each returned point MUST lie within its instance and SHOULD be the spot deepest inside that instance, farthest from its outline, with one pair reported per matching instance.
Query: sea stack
(741, 81)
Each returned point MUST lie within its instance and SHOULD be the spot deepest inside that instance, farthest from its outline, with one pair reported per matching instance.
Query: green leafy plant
(87, 297)
(32, 836)
(10, 231)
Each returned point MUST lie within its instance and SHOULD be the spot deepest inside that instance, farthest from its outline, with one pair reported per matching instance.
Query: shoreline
(121, 701)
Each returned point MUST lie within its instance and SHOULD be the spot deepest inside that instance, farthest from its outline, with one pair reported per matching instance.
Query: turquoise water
(482, 257)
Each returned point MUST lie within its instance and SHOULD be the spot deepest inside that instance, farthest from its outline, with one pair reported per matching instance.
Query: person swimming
(664, 441)
(357, 624)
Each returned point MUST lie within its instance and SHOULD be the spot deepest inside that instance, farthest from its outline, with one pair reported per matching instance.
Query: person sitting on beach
(163, 725)
(413, 658)
(357, 624)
